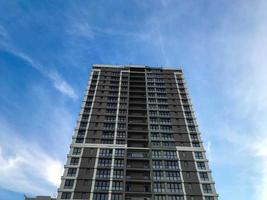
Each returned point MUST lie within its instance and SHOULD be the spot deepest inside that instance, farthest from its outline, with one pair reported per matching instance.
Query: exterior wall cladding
(136, 139)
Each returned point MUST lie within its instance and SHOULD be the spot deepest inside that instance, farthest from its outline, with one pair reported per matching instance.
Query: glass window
(100, 196)
(71, 172)
(158, 187)
(102, 185)
(104, 162)
(171, 164)
(206, 188)
(74, 161)
(172, 175)
(174, 187)
(68, 183)
(119, 152)
(203, 176)
(116, 197)
(198, 155)
(105, 152)
(118, 174)
(118, 163)
(201, 165)
(66, 195)
(158, 175)
(117, 185)
(103, 173)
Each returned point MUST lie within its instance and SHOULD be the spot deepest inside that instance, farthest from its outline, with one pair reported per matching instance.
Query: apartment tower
(136, 139)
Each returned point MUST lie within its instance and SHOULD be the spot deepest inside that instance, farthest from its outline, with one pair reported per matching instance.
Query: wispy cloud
(58, 81)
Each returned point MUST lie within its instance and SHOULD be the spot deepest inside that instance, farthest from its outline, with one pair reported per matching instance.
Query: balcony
(134, 100)
(137, 94)
(137, 187)
(138, 88)
(137, 154)
(137, 120)
(137, 127)
(137, 136)
(133, 106)
(139, 144)
(133, 111)
(137, 176)
(138, 165)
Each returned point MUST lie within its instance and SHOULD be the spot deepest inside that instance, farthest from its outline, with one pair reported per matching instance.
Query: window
(101, 185)
(110, 118)
(100, 196)
(71, 172)
(83, 124)
(109, 126)
(193, 136)
(172, 175)
(112, 105)
(175, 197)
(156, 154)
(77, 151)
(79, 140)
(155, 136)
(203, 176)
(152, 113)
(121, 126)
(68, 183)
(198, 155)
(104, 162)
(74, 161)
(103, 173)
(116, 197)
(170, 164)
(158, 187)
(122, 111)
(66, 195)
(206, 188)
(169, 143)
(117, 185)
(108, 134)
(155, 143)
(154, 127)
(201, 165)
(157, 164)
(192, 128)
(117, 174)
(122, 119)
(121, 134)
(105, 141)
(160, 197)
(174, 187)
(119, 152)
(118, 163)
(166, 128)
(120, 141)
(170, 154)
(158, 175)
(105, 152)
(195, 144)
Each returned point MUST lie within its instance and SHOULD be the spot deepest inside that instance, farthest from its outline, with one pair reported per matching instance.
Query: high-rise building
(136, 139)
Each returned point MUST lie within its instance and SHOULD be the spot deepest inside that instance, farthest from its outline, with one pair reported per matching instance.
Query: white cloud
(25, 167)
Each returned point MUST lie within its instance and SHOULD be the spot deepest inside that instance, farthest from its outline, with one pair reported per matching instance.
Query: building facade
(136, 139)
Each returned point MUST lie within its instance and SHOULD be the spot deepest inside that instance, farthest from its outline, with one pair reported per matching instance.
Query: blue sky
(47, 48)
